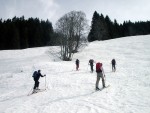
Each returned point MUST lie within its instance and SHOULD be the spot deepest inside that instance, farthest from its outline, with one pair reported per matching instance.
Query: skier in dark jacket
(77, 64)
(36, 77)
(113, 62)
(91, 62)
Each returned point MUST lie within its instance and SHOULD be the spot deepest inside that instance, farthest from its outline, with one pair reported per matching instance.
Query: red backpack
(98, 67)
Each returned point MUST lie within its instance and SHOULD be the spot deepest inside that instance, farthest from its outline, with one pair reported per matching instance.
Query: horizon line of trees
(18, 33)
(102, 28)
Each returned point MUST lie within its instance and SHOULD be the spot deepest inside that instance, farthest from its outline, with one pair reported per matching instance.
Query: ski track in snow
(71, 91)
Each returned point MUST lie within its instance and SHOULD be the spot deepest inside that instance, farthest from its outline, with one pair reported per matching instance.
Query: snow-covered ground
(71, 91)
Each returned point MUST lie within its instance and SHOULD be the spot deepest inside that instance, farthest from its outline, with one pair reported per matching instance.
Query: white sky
(121, 10)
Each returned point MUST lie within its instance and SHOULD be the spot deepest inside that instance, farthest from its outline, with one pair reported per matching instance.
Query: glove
(44, 75)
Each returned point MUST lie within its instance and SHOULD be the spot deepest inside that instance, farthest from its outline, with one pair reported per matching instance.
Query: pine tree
(99, 28)
(94, 32)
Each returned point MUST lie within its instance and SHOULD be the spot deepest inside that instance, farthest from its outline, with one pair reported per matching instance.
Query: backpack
(35, 74)
(113, 62)
(77, 61)
(98, 67)
(91, 61)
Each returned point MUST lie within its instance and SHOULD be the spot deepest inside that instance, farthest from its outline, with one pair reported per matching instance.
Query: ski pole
(30, 90)
(45, 81)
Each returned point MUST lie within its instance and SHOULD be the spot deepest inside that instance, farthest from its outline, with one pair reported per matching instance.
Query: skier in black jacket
(36, 76)
(91, 62)
(113, 62)
(77, 64)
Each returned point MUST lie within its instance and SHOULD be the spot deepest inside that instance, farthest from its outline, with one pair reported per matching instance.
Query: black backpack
(35, 74)
(113, 62)
(91, 61)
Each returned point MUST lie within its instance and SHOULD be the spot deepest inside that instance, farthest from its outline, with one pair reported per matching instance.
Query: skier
(91, 61)
(100, 74)
(77, 64)
(36, 76)
(113, 62)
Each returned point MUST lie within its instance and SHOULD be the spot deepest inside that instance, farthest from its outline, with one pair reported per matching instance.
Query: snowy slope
(71, 91)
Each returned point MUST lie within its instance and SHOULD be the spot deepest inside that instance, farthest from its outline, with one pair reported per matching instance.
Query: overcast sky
(121, 10)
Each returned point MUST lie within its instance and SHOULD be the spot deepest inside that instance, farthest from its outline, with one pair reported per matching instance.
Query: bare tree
(72, 27)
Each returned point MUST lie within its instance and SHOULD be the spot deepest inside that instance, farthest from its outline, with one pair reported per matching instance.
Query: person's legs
(77, 66)
(114, 67)
(91, 68)
(35, 86)
(103, 82)
(36, 83)
(97, 81)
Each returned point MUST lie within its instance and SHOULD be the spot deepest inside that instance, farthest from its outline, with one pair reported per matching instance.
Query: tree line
(102, 28)
(18, 33)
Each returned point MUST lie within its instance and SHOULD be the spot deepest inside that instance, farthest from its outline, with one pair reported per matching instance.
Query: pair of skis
(103, 88)
(36, 91)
